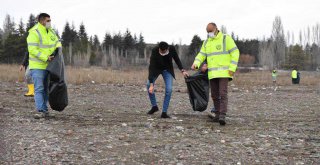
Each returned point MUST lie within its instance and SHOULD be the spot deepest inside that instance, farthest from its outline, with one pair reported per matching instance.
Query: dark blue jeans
(168, 79)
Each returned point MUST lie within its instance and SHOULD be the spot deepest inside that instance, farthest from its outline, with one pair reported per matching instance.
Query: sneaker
(38, 115)
(165, 115)
(153, 110)
(211, 115)
(48, 115)
(222, 119)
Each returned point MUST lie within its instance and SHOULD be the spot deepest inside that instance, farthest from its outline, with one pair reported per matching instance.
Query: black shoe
(214, 116)
(222, 119)
(153, 110)
(215, 119)
(164, 115)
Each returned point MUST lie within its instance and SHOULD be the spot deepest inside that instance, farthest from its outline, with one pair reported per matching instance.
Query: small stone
(124, 124)
(179, 128)
(222, 141)
(69, 132)
(235, 89)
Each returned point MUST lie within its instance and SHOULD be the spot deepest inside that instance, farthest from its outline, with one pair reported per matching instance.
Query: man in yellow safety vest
(42, 44)
(222, 57)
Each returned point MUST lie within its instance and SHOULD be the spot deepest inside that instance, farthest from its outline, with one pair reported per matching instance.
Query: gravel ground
(107, 124)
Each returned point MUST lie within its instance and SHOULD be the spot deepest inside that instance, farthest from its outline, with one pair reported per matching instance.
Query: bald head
(211, 27)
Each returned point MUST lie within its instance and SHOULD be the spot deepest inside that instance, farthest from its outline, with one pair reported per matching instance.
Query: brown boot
(222, 119)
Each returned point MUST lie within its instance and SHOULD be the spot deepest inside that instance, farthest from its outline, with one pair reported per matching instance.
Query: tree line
(122, 49)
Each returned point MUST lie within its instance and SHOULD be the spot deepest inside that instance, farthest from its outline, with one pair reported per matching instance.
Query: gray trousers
(27, 76)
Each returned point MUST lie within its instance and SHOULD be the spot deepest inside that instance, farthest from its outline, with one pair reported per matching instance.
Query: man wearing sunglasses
(42, 43)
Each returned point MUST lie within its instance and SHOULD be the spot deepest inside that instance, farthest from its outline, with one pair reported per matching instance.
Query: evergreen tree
(128, 41)
(297, 57)
(1, 45)
(31, 22)
(195, 46)
(107, 42)
(8, 27)
(117, 41)
(141, 45)
(83, 39)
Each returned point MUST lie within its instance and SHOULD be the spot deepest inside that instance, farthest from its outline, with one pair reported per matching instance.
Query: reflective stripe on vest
(234, 62)
(233, 49)
(38, 55)
(218, 68)
(198, 60)
(35, 59)
(224, 52)
(41, 45)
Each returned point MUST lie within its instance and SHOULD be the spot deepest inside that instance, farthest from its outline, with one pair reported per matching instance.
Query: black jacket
(58, 94)
(159, 63)
(25, 61)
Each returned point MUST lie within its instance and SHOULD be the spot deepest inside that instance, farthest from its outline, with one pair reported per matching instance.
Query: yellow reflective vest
(222, 56)
(294, 74)
(274, 73)
(41, 44)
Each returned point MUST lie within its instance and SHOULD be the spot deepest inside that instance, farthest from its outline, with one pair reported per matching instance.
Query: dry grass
(283, 78)
(100, 76)
(10, 73)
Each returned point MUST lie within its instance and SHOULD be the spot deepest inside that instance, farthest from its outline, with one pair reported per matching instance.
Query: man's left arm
(234, 53)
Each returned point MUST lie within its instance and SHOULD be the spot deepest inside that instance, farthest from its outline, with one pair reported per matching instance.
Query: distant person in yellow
(274, 76)
(42, 43)
(295, 75)
(222, 55)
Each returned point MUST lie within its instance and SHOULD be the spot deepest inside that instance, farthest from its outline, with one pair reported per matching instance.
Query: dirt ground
(107, 124)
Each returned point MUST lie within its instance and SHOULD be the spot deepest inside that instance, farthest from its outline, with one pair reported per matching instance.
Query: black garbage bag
(58, 93)
(198, 88)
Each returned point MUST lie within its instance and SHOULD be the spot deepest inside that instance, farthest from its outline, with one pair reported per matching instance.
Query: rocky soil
(107, 124)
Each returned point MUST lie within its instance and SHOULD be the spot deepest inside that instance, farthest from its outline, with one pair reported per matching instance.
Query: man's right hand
(21, 67)
(151, 89)
(194, 67)
(50, 58)
(204, 68)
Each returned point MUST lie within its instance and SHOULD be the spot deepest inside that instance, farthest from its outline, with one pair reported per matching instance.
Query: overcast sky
(169, 20)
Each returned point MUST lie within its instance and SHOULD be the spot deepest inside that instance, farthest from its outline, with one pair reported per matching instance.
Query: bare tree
(279, 46)
(300, 38)
(223, 29)
(266, 57)
(308, 35)
(293, 41)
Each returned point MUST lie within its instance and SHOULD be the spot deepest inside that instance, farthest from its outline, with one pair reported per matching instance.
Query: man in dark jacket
(161, 63)
(25, 65)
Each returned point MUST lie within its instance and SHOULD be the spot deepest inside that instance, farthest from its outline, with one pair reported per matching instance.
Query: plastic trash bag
(58, 92)
(198, 89)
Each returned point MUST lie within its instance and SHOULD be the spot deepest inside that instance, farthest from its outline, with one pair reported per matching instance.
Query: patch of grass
(139, 76)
